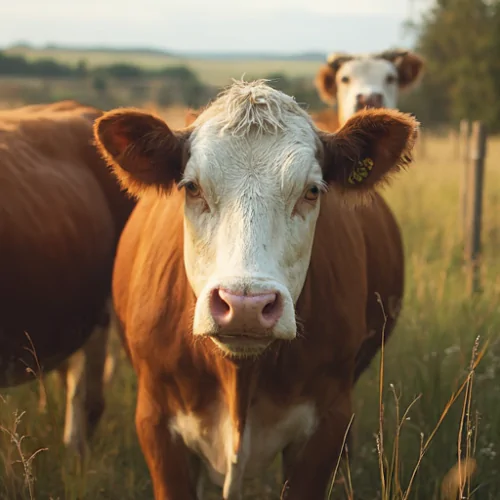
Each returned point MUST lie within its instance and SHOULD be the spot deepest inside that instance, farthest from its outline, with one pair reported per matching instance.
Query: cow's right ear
(368, 150)
(141, 149)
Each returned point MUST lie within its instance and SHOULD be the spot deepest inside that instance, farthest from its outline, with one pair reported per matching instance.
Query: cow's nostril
(270, 307)
(272, 310)
(218, 305)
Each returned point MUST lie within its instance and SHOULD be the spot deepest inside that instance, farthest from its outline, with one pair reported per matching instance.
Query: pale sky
(210, 25)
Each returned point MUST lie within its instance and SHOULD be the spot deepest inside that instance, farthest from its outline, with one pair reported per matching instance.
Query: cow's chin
(241, 345)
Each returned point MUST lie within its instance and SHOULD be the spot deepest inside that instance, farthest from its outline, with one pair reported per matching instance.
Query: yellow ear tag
(361, 172)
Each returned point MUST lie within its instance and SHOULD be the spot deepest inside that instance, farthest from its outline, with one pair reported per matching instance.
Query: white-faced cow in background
(355, 82)
(248, 285)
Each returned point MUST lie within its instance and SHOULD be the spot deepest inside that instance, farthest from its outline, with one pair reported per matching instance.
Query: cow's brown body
(250, 305)
(357, 254)
(61, 214)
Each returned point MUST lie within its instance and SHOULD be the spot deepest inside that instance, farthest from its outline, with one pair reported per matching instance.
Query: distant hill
(119, 50)
(146, 51)
(254, 56)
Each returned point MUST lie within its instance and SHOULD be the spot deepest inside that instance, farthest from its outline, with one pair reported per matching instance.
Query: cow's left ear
(326, 78)
(141, 149)
(368, 149)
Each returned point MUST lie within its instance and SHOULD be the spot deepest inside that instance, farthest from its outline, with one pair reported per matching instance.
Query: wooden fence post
(464, 155)
(474, 206)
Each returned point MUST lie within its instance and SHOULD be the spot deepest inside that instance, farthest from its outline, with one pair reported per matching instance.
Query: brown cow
(353, 82)
(245, 290)
(61, 214)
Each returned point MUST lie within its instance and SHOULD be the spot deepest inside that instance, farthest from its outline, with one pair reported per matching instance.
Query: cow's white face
(366, 83)
(252, 201)
(356, 82)
(252, 167)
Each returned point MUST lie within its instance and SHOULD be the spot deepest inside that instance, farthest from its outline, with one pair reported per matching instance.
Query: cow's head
(371, 81)
(253, 168)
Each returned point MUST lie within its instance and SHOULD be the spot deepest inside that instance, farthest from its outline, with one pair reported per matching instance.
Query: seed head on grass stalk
(25, 460)
(425, 444)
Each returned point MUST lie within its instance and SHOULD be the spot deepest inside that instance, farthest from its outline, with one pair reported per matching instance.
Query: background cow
(354, 82)
(246, 290)
(61, 213)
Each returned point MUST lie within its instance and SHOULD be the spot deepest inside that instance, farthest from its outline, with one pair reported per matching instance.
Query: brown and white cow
(353, 82)
(248, 293)
(61, 214)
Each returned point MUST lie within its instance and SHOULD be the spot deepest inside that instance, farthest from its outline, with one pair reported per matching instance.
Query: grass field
(428, 356)
(214, 72)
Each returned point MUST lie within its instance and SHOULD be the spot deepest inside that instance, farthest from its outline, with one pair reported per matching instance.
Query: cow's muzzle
(369, 101)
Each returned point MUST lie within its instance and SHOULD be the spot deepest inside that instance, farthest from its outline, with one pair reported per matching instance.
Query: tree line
(179, 84)
(460, 40)
(17, 65)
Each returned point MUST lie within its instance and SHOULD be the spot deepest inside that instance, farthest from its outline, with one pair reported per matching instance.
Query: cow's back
(61, 213)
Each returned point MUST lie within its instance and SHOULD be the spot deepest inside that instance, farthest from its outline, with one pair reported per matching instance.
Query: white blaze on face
(249, 222)
(365, 80)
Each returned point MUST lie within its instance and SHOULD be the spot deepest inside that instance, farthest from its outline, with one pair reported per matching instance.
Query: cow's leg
(113, 347)
(199, 475)
(166, 455)
(95, 359)
(42, 399)
(308, 468)
(73, 372)
(83, 376)
(110, 365)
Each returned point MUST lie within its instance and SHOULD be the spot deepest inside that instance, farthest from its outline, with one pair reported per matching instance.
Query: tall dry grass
(427, 412)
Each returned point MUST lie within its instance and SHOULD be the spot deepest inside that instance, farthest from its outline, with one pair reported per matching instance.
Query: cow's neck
(327, 119)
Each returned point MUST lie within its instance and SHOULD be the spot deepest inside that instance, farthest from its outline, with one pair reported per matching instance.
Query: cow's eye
(312, 194)
(391, 79)
(345, 79)
(192, 189)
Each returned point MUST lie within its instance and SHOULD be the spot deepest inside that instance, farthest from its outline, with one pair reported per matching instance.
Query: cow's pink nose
(245, 313)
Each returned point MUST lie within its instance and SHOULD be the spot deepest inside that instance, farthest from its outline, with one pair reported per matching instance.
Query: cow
(351, 82)
(253, 283)
(61, 214)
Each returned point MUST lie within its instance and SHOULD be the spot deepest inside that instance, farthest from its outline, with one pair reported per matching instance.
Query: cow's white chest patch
(269, 429)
